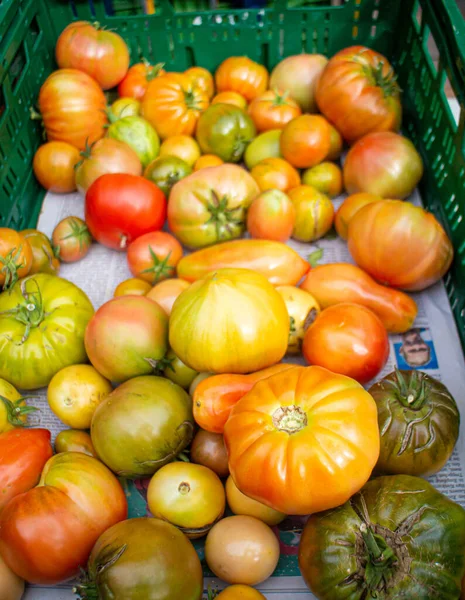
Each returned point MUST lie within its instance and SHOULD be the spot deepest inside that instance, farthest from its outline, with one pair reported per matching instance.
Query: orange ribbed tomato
(172, 104)
(242, 75)
(273, 110)
(303, 440)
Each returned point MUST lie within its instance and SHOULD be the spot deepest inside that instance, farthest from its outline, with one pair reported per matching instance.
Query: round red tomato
(121, 207)
(138, 78)
(273, 110)
(101, 53)
(154, 256)
(348, 339)
(359, 94)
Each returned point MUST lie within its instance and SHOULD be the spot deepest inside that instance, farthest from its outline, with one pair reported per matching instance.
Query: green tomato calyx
(225, 219)
(381, 559)
(87, 588)
(15, 410)
(160, 268)
(386, 81)
(30, 312)
(290, 419)
(412, 391)
(9, 266)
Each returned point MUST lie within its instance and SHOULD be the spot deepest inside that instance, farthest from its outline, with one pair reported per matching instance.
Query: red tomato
(358, 93)
(306, 141)
(383, 163)
(138, 78)
(122, 207)
(271, 216)
(273, 110)
(72, 107)
(47, 533)
(100, 53)
(23, 454)
(242, 75)
(348, 339)
(154, 256)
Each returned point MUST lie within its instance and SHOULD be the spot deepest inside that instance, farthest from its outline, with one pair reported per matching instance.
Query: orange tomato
(273, 110)
(275, 174)
(303, 440)
(230, 98)
(349, 208)
(53, 166)
(172, 104)
(154, 256)
(132, 287)
(215, 397)
(15, 257)
(314, 213)
(325, 177)
(240, 592)
(138, 78)
(242, 75)
(203, 79)
(306, 141)
(348, 339)
(207, 160)
(182, 146)
(336, 144)
(271, 216)
(166, 292)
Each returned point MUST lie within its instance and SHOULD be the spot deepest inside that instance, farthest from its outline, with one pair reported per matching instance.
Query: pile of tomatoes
(178, 380)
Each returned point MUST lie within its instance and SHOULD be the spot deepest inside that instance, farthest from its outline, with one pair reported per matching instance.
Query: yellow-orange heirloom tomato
(303, 440)
(231, 321)
(240, 592)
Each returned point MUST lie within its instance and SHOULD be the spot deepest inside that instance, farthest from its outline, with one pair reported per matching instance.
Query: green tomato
(142, 425)
(178, 372)
(139, 134)
(397, 538)
(226, 131)
(165, 171)
(42, 323)
(266, 145)
(143, 559)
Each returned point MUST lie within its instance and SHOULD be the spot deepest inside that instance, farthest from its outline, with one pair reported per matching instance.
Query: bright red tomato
(47, 533)
(99, 52)
(23, 454)
(154, 256)
(348, 339)
(122, 207)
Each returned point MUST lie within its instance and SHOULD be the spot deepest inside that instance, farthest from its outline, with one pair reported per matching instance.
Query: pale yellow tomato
(132, 287)
(182, 146)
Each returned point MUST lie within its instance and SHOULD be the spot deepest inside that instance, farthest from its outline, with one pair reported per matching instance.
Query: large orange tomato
(72, 106)
(306, 141)
(138, 78)
(242, 75)
(314, 213)
(349, 208)
(207, 334)
(303, 440)
(154, 256)
(47, 533)
(101, 53)
(383, 163)
(273, 110)
(15, 257)
(275, 174)
(358, 92)
(203, 79)
(53, 166)
(400, 245)
(172, 104)
(348, 339)
(271, 216)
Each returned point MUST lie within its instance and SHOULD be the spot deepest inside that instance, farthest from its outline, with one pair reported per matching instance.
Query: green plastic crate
(404, 30)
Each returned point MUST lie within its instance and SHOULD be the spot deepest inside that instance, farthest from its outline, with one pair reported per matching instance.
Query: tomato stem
(15, 410)
(30, 312)
(411, 394)
(387, 82)
(160, 267)
(290, 419)
(154, 71)
(380, 559)
(9, 266)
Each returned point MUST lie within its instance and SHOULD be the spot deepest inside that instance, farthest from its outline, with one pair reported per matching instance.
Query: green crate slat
(29, 29)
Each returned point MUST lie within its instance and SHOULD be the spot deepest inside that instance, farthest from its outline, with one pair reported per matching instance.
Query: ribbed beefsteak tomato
(303, 440)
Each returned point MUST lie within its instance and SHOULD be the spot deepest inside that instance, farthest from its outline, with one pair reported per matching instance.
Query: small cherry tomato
(208, 449)
(71, 239)
(132, 287)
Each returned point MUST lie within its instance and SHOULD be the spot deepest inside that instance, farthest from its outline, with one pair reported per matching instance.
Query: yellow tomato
(240, 592)
(125, 107)
(233, 98)
(314, 213)
(303, 309)
(74, 440)
(182, 146)
(325, 177)
(75, 392)
(230, 321)
(13, 409)
(132, 287)
(187, 495)
(241, 504)
(207, 160)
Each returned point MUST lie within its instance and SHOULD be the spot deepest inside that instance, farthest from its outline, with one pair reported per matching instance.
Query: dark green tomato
(165, 171)
(143, 559)
(225, 130)
(177, 371)
(397, 539)
(142, 425)
(418, 423)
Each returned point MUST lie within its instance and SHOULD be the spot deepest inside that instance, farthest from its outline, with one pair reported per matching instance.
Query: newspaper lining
(434, 342)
